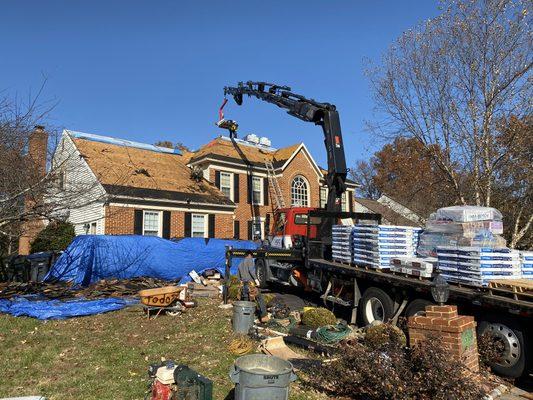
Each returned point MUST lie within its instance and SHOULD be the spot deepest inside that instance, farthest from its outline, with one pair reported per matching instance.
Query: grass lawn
(106, 356)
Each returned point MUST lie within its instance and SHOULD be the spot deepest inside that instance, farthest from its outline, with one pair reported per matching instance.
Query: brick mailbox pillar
(457, 332)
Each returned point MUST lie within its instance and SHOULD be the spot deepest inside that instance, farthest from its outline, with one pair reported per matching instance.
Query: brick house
(136, 188)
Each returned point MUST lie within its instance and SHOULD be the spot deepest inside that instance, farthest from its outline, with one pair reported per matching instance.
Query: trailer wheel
(261, 272)
(513, 361)
(416, 307)
(376, 305)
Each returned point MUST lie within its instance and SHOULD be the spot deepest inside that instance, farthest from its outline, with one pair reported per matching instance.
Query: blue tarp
(55, 309)
(90, 258)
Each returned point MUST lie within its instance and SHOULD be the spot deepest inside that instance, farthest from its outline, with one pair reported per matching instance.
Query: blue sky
(155, 70)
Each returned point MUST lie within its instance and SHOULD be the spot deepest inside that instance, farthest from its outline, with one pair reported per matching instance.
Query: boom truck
(298, 253)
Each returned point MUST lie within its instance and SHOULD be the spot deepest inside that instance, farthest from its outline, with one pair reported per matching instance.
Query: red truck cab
(291, 223)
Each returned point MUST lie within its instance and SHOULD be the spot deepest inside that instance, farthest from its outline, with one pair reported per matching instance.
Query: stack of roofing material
(414, 266)
(341, 246)
(462, 226)
(477, 266)
(526, 264)
(375, 245)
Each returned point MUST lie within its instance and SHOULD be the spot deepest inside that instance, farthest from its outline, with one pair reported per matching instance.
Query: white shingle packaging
(526, 264)
(464, 226)
(478, 265)
(342, 243)
(375, 245)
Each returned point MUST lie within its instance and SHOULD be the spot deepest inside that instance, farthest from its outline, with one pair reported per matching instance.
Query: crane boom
(309, 110)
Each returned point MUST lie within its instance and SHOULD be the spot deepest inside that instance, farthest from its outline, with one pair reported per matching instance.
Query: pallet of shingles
(376, 245)
(341, 247)
(414, 266)
(477, 266)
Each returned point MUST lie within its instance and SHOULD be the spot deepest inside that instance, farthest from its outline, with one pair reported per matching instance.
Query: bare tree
(451, 80)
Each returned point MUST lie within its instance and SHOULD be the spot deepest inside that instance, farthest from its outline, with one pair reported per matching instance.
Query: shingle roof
(160, 174)
(222, 148)
(387, 213)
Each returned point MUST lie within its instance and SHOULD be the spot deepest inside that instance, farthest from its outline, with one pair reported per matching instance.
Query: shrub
(55, 237)
(384, 335)
(317, 317)
(390, 371)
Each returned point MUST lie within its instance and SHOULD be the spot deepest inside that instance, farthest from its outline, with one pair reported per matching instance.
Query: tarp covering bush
(90, 258)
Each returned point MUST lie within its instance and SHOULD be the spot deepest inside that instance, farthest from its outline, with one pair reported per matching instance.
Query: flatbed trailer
(380, 294)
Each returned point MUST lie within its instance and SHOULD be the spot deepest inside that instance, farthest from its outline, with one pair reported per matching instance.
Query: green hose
(333, 333)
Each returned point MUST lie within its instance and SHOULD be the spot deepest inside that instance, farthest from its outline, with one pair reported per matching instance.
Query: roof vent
(252, 138)
(264, 141)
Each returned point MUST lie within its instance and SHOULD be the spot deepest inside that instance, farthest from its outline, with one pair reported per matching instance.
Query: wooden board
(516, 285)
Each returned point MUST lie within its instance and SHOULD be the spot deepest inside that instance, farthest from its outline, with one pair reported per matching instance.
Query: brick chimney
(38, 148)
(37, 152)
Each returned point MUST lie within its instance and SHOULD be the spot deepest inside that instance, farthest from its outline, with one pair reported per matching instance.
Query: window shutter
(217, 179)
(235, 188)
(211, 226)
(166, 224)
(250, 230)
(138, 222)
(267, 224)
(265, 192)
(236, 230)
(250, 194)
(188, 221)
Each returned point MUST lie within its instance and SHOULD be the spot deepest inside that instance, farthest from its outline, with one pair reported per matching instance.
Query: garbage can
(261, 377)
(40, 263)
(18, 269)
(243, 316)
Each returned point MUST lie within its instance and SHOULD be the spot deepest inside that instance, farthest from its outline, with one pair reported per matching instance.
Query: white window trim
(159, 221)
(308, 201)
(261, 186)
(231, 179)
(206, 224)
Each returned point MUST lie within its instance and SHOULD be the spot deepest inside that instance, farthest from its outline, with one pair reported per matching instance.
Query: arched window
(299, 192)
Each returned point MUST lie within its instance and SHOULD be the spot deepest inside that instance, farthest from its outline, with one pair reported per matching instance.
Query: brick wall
(456, 332)
(120, 221)
(244, 212)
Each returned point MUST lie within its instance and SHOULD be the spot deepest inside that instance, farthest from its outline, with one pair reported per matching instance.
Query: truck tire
(513, 335)
(375, 305)
(261, 272)
(416, 307)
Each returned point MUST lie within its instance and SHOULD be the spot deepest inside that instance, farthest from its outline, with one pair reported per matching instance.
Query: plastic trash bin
(18, 269)
(243, 316)
(40, 263)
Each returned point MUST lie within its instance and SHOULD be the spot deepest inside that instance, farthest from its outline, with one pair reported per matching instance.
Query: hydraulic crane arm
(323, 114)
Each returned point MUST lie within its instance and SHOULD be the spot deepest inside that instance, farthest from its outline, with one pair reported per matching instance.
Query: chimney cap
(39, 127)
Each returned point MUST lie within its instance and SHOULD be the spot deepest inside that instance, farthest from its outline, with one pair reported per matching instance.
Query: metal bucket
(261, 377)
(243, 316)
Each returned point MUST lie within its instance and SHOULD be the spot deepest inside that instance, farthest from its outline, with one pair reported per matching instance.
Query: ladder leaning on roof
(274, 186)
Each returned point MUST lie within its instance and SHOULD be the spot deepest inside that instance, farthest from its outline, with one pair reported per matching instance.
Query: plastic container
(40, 263)
(243, 316)
(261, 377)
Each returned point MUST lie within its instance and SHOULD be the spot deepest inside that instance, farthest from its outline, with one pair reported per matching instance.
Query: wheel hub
(374, 310)
(512, 350)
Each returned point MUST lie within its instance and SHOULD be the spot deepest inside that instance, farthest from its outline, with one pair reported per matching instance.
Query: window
(299, 192)
(198, 224)
(257, 189)
(151, 223)
(257, 228)
(344, 203)
(323, 197)
(225, 183)
(92, 229)
(301, 219)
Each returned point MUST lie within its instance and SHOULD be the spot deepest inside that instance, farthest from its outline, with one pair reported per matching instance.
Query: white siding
(82, 195)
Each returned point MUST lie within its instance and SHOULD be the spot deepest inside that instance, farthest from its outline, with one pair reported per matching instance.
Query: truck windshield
(301, 219)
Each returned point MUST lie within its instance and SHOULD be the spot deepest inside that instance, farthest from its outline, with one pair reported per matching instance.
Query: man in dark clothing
(250, 284)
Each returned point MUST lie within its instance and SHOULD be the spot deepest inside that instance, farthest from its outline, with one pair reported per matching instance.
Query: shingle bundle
(526, 264)
(478, 265)
(375, 245)
(414, 266)
(342, 243)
